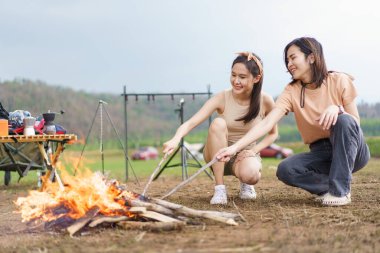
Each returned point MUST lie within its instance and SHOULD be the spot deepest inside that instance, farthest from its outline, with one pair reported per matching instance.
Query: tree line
(149, 122)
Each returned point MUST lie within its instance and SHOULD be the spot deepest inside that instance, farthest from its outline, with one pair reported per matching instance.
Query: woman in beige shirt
(323, 103)
(239, 109)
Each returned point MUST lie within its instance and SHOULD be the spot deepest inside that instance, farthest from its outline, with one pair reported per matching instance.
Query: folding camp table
(22, 153)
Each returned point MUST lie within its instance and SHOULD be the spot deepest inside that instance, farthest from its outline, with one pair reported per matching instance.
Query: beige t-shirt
(233, 111)
(336, 89)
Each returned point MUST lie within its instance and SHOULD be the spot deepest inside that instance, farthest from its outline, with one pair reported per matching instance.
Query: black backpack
(3, 113)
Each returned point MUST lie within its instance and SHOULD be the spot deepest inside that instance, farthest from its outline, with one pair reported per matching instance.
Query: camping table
(49, 153)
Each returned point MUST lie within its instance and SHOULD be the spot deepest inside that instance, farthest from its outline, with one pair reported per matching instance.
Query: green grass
(374, 145)
(372, 142)
(114, 166)
(114, 163)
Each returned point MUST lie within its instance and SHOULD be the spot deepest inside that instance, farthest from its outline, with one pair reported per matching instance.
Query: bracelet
(341, 109)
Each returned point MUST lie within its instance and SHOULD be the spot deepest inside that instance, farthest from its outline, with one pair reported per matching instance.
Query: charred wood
(80, 223)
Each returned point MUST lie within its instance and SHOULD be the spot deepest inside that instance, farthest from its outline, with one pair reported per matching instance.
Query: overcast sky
(181, 46)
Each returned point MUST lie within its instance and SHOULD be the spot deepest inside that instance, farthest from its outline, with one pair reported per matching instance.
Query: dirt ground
(282, 219)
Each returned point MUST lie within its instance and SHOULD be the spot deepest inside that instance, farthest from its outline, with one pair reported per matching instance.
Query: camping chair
(41, 152)
(21, 158)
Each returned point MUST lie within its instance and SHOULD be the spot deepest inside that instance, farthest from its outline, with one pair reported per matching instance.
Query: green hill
(149, 122)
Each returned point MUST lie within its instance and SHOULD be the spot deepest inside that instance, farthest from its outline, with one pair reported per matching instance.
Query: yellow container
(3, 127)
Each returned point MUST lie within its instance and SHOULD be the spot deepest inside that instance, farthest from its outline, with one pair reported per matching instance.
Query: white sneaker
(247, 191)
(319, 198)
(220, 195)
(330, 200)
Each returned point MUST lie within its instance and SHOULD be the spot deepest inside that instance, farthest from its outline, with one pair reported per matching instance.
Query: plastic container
(3, 127)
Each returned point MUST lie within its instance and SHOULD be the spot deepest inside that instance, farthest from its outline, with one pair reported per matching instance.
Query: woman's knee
(345, 128)
(345, 120)
(251, 178)
(283, 171)
(218, 125)
(249, 173)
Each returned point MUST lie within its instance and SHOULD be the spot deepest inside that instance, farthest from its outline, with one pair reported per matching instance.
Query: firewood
(152, 226)
(150, 206)
(137, 209)
(224, 217)
(157, 216)
(176, 207)
(80, 223)
(108, 219)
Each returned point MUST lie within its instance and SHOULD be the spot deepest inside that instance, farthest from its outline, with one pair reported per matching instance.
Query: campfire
(91, 200)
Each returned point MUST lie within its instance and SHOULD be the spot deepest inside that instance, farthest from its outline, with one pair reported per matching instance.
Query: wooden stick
(190, 178)
(224, 217)
(153, 174)
(150, 206)
(137, 209)
(241, 216)
(152, 226)
(177, 208)
(112, 219)
(171, 209)
(157, 216)
(80, 223)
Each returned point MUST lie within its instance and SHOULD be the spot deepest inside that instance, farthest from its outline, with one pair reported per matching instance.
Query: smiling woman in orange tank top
(239, 109)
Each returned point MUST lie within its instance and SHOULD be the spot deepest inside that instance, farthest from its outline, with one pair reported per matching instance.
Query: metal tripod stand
(184, 151)
(100, 108)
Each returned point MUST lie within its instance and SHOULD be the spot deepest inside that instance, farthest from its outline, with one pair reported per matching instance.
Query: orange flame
(81, 193)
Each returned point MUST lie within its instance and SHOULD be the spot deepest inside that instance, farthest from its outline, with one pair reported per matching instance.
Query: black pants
(329, 165)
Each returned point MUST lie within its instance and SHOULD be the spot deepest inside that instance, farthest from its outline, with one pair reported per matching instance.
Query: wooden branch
(241, 216)
(152, 226)
(176, 207)
(190, 178)
(80, 223)
(108, 219)
(224, 217)
(150, 206)
(137, 209)
(157, 216)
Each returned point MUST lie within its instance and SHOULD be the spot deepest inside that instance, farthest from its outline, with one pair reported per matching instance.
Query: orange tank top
(233, 111)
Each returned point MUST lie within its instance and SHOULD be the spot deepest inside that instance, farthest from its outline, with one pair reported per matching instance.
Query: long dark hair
(254, 104)
(310, 46)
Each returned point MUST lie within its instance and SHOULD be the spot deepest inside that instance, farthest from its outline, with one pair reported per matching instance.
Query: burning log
(80, 223)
